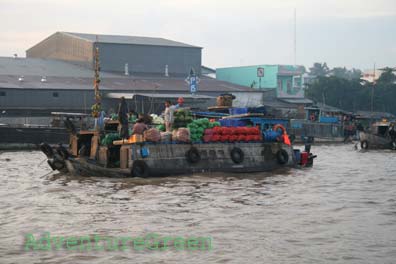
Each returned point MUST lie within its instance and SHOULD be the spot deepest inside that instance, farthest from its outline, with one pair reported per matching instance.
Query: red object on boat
(217, 130)
(215, 138)
(224, 138)
(208, 131)
(207, 138)
(241, 138)
(304, 158)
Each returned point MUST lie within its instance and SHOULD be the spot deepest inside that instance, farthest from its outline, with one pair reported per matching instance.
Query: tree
(387, 76)
(319, 69)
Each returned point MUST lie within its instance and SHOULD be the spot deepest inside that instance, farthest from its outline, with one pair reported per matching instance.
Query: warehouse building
(57, 75)
(121, 54)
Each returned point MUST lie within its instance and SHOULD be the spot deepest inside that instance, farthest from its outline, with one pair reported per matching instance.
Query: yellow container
(136, 138)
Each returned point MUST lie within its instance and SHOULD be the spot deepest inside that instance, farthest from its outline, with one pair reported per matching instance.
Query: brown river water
(343, 210)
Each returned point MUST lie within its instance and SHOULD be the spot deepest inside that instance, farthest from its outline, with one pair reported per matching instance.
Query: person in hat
(180, 102)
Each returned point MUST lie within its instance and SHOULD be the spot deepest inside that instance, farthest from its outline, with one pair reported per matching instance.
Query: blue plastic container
(297, 155)
(232, 122)
(144, 152)
(238, 111)
(270, 135)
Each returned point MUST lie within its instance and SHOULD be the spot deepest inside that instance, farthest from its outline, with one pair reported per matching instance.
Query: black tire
(47, 150)
(62, 151)
(56, 164)
(282, 157)
(364, 144)
(193, 155)
(139, 169)
(237, 155)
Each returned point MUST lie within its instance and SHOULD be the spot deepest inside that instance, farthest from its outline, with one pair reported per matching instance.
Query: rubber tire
(62, 151)
(55, 164)
(237, 155)
(193, 155)
(364, 144)
(282, 157)
(47, 150)
(139, 169)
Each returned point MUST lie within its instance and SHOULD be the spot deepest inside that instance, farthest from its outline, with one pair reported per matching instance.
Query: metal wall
(31, 101)
(149, 59)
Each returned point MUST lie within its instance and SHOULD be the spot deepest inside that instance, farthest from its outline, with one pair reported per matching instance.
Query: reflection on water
(341, 210)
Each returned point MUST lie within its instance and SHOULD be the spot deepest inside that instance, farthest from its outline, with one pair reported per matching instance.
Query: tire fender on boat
(237, 155)
(47, 150)
(282, 156)
(193, 155)
(56, 164)
(364, 144)
(139, 169)
(62, 151)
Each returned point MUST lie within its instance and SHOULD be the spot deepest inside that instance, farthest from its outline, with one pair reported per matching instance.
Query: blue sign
(193, 84)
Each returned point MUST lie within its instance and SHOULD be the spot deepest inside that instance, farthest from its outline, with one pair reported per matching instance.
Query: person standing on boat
(123, 118)
(168, 116)
(139, 127)
(180, 102)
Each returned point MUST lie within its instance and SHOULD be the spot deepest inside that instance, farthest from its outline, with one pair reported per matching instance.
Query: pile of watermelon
(232, 134)
(198, 126)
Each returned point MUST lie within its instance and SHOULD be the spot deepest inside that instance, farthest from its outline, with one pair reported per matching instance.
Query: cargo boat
(145, 159)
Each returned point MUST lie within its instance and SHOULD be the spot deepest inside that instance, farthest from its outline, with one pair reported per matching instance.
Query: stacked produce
(182, 117)
(166, 137)
(232, 134)
(152, 135)
(157, 119)
(182, 135)
(161, 127)
(109, 138)
(198, 126)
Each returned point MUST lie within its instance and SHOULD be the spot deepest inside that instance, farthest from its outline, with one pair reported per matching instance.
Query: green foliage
(352, 95)
(198, 126)
(182, 118)
(109, 138)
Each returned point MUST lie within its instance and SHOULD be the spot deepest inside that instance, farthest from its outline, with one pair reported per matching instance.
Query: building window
(55, 94)
(289, 87)
(2, 93)
(280, 85)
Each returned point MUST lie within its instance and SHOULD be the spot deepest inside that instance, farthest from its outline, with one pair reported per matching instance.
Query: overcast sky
(351, 33)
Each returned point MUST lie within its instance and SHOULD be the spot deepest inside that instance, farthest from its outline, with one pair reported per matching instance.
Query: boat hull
(151, 160)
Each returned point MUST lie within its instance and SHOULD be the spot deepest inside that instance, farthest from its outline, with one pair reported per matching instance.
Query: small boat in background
(382, 135)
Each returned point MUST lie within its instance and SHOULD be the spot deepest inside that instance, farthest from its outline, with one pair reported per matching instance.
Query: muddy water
(341, 211)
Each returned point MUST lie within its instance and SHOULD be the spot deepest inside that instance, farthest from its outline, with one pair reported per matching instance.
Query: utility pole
(295, 36)
(372, 95)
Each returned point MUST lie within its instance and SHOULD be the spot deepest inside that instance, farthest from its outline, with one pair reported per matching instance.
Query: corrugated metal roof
(162, 95)
(68, 76)
(135, 40)
(119, 84)
(44, 67)
(296, 100)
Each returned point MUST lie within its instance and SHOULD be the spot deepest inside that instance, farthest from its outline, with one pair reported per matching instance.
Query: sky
(342, 33)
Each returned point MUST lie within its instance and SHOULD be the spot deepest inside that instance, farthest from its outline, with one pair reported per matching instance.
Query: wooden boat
(145, 159)
(382, 135)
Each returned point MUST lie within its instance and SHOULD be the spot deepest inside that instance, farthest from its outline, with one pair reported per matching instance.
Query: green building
(288, 80)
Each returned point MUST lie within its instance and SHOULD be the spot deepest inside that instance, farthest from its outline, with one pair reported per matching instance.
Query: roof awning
(296, 100)
(158, 95)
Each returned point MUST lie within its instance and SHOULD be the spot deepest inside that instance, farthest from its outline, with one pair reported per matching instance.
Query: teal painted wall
(248, 74)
